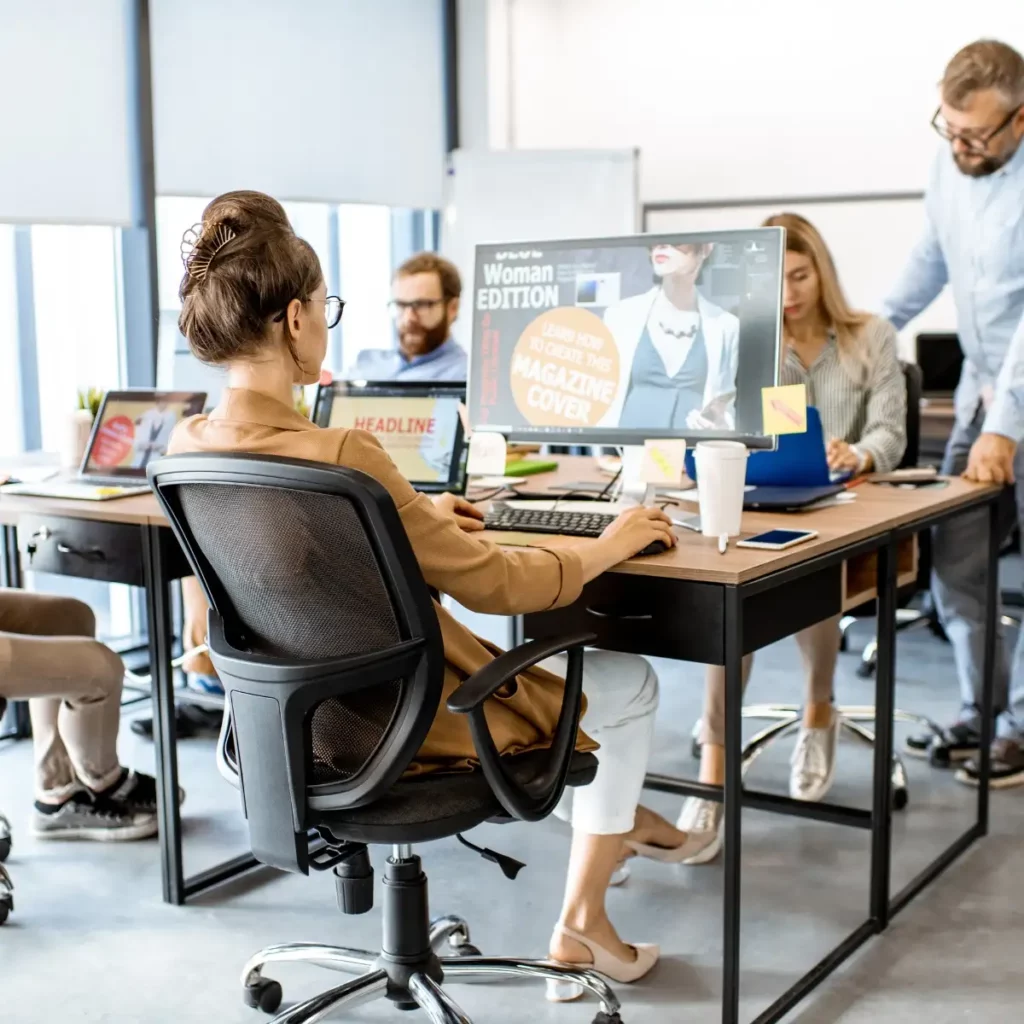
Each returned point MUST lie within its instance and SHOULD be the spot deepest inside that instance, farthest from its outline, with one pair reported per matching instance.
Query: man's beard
(415, 344)
(983, 168)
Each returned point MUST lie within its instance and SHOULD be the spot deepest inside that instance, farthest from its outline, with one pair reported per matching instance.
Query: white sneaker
(814, 761)
(701, 820)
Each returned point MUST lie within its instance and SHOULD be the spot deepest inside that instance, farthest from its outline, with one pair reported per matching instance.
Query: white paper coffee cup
(721, 472)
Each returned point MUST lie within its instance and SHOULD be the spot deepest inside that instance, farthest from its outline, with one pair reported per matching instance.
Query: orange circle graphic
(565, 369)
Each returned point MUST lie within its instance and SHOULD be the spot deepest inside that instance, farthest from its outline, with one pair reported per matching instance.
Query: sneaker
(814, 761)
(189, 720)
(701, 820)
(944, 747)
(1007, 766)
(86, 815)
(204, 684)
(136, 791)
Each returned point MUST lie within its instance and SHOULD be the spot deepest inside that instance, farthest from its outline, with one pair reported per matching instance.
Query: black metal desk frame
(882, 906)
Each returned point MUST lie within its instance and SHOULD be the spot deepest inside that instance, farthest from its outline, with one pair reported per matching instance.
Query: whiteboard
(870, 242)
(530, 196)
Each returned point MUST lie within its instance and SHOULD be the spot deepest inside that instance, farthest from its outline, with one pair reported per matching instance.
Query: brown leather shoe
(1007, 766)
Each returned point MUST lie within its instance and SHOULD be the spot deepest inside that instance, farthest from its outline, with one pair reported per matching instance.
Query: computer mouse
(656, 547)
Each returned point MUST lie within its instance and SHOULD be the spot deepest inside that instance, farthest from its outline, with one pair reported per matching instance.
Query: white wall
(743, 98)
(326, 100)
(64, 110)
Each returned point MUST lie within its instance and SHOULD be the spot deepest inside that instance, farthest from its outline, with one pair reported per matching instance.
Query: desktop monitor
(418, 425)
(616, 340)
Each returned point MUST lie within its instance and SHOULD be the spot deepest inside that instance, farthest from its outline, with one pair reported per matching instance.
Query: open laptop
(793, 476)
(418, 424)
(131, 430)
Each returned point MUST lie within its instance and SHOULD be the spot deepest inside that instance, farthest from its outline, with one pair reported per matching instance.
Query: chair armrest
(536, 799)
(491, 678)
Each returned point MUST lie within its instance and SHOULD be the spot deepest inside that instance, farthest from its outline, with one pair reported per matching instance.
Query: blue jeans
(959, 564)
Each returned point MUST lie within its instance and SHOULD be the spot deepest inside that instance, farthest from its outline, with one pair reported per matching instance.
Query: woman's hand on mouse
(637, 527)
(466, 515)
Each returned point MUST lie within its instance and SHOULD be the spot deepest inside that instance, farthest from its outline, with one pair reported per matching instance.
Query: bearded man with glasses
(425, 302)
(974, 242)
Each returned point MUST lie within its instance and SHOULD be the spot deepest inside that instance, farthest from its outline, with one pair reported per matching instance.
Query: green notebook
(528, 467)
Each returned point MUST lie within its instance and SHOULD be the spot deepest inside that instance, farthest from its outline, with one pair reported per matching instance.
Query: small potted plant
(79, 427)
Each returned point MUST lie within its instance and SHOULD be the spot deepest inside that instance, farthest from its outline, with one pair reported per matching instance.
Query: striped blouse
(865, 406)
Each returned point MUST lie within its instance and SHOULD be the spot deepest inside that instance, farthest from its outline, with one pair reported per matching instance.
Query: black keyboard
(535, 520)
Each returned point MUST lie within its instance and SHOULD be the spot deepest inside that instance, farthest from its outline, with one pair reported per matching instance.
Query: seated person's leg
(622, 698)
(199, 668)
(73, 684)
(191, 719)
(701, 819)
(814, 758)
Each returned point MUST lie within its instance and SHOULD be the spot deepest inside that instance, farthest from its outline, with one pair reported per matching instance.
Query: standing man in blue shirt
(974, 241)
(425, 295)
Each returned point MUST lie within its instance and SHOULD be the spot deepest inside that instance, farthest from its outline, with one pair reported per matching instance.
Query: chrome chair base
(378, 978)
(786, 718)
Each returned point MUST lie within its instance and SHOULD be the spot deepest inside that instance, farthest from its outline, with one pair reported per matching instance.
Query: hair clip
(196, 254)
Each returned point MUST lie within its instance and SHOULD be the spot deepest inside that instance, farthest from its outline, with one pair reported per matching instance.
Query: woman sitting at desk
(849, 364)
(254, 300)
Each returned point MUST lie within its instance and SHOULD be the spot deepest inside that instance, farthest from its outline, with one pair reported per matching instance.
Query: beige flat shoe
(667, 854)
(624, 972)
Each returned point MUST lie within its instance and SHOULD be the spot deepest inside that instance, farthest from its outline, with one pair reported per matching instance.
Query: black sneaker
(944, 747)
(1007, 767)
(87, 815)
(136, 791)
(189, 720)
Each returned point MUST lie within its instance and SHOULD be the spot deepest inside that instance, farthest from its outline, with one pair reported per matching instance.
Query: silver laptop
(131, 430)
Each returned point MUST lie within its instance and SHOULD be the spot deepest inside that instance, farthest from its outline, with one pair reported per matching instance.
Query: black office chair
(325, 637)
(786, 718)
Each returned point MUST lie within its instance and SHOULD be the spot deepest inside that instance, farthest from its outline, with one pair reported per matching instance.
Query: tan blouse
(478, 574)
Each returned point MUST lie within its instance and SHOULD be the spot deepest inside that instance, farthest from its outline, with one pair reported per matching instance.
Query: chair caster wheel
(695, 749)
(605, 1018)
(265, 995)
(5, 848)
(900, 799)
(5, 909)
(465, 949)
(865, 669)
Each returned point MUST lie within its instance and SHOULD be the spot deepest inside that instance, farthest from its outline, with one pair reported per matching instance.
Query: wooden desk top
(875, 510)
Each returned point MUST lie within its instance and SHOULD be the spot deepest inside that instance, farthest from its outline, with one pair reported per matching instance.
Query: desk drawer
(110, 552)
(685, 620)
(95, 550)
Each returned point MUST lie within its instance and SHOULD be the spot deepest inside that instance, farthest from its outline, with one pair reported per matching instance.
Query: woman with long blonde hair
(848, 362)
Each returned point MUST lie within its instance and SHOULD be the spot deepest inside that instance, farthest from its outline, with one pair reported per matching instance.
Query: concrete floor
(91, 940)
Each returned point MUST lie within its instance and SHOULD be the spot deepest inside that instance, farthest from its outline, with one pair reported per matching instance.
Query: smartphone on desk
(777, 540)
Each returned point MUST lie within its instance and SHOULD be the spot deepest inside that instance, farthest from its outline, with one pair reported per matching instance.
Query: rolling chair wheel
(606, 1018)
(695, 749)
(265, 995)
(900, 798)
(5, 908)
(5, 848)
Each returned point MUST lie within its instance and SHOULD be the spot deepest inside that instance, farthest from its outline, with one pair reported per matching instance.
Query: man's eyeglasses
(973, 140)
(415, 306)
(333, 308)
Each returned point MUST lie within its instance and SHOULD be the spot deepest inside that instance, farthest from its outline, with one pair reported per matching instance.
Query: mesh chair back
(316, 601)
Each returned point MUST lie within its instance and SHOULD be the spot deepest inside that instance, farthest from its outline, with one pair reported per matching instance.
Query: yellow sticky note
(784, 409)
(663, 461)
